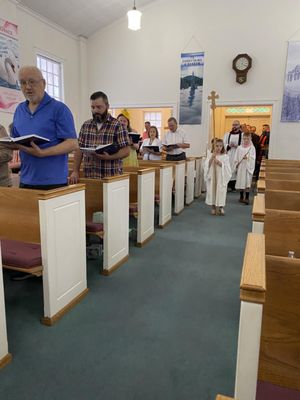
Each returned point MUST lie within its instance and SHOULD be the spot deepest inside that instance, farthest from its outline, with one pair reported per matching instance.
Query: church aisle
(163, 327)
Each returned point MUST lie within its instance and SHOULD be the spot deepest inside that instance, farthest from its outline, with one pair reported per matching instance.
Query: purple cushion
(267, 391)
(21, 254)
(157, 198)
(133, 208)
(93, 227)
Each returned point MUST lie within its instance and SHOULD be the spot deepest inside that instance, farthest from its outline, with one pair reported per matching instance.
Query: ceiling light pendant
(134, 18)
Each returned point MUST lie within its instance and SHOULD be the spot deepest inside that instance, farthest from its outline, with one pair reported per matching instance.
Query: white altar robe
(246, 167)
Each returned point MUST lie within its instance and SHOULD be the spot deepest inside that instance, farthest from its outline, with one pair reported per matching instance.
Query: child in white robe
(217, 173)
(245, 164)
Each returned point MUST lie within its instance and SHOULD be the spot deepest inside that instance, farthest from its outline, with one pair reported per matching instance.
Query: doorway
(253, 115)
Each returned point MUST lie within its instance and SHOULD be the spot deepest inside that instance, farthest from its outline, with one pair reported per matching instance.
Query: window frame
(49, 57)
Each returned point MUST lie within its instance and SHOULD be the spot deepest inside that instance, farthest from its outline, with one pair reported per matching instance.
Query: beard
(99, 118)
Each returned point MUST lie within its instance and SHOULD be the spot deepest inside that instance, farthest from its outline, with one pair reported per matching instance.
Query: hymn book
(171, 146)
(135, 137)
(153, 148)
(102, 148)
(24, 140)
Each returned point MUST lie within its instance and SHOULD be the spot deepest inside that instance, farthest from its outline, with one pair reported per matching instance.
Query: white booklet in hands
(24, 140)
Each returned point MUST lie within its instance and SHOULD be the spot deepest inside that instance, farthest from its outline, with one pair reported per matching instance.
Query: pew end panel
(62, 215)
(252, 295)
(5, 356)
(116, 222)
(280, 339)
(179, 186)
(165, 197)
(146, 194)
(198, 177)
(258, 213)
(190, 180)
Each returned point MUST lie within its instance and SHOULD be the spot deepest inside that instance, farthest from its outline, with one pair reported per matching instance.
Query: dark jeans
(41, 187)
(176, 157)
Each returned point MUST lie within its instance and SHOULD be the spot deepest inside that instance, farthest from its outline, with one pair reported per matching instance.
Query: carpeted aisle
(163, 327)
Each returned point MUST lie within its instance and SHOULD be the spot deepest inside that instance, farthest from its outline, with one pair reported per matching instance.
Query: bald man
(45, 166)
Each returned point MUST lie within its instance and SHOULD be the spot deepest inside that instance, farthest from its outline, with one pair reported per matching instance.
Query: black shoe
(21, 276)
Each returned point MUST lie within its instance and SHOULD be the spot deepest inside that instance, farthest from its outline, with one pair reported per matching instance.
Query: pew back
(282, 200)
(282, 232)
(93, 196)
(277, 184)
(280, 341)
(283, 176)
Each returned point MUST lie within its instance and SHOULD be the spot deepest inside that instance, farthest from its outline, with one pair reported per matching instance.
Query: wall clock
(241, 64)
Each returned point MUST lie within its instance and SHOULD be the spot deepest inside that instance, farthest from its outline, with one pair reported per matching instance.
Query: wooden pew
(179, 177)
(252, 296)
(275, 184)
(279, 362)
(142, 194)
(258, 213)
(261, 186)
(5, 356)
(190, 180)
(221, 397)
(55, 219)
(283, 176)
(111, 196)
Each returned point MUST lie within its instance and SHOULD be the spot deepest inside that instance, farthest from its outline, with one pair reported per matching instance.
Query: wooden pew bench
(141, 195)
(53, 222)
(276, 184)
(295, 176)
(179, 178)
(252, 296)
(110, 196)
(5, 356)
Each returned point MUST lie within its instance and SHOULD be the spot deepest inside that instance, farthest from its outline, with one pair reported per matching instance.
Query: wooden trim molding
(5, 360)
(261, 186)
(115, 178)
(107, 272)
(253, 280)
(259, 209)
(221, 397)
(165, 224)
(50, 194)
(142, 244)
(145, 171)
(49, 321)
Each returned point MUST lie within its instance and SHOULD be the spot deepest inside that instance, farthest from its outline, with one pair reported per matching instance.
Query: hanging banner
(10, 94)
(291, 96)
(191, 88)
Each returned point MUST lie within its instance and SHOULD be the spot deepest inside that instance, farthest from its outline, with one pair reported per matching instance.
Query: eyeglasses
(30, 82)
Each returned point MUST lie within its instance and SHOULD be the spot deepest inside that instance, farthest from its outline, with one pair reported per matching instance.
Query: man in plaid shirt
(101, 129)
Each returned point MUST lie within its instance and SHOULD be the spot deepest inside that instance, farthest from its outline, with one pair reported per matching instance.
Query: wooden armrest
(259, 210)
(253, 280)
(50, 194)
(221, 397)
(261, 185)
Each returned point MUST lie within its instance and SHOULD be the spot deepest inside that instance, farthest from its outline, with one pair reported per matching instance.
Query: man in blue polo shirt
(44, 166)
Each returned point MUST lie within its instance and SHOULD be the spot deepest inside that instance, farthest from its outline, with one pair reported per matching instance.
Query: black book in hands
(135, 137)
(153, 148)
(102, 148)
(24, 140)
(171, 146)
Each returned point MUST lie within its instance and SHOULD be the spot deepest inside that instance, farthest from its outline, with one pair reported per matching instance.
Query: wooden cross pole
(213, 96)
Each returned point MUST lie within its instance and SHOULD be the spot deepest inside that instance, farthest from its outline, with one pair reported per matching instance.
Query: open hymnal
(153, 148)
(24, 140)
(171, 146)
(102, 148)
(135, 137)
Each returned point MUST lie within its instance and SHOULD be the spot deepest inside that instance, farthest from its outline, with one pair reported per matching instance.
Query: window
(52, 72)
(154, 118)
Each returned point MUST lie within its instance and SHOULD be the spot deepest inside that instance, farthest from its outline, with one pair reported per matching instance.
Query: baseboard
(165, 224)
(107, 272)
(5, 360)
(49, 321)
(178, 213)
(141, 244)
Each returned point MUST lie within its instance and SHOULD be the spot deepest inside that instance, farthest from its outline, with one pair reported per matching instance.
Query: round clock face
(242, 63)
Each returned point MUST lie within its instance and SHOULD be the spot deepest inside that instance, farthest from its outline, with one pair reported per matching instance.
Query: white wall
(36, 34)
(142, 68)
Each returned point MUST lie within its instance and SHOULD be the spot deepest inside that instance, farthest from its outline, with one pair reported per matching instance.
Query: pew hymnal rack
(24, 140)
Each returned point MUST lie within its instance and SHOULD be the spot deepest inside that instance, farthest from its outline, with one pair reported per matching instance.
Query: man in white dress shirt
(177, 139)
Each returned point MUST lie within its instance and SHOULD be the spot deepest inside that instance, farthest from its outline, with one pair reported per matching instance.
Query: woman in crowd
(131, 160)
(151, 147)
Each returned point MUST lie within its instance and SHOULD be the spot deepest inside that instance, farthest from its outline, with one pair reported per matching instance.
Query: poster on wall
(10, 94)
(291, 95)
(191, 88)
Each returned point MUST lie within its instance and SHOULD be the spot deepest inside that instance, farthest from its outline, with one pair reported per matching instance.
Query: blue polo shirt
(53, 120)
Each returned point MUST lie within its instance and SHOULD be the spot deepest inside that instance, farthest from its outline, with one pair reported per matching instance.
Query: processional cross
(213, 96)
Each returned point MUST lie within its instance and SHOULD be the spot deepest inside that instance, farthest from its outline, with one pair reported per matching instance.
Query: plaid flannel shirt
(111, 131)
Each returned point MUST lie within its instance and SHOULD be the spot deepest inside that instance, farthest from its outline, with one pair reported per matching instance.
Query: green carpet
(163, 327)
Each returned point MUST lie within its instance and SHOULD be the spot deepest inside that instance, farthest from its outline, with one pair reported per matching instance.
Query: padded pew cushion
(133, 208)
(93, 227)
(21, 254)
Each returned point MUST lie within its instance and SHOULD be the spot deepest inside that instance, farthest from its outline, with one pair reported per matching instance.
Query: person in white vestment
(148, 153)
(245, 164)
(217, 173)
(232, 140)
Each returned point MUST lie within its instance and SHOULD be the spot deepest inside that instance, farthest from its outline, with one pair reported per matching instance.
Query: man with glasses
(232, 140)
(45, 166)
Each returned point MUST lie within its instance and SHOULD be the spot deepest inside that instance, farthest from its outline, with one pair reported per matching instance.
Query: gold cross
(213, 96)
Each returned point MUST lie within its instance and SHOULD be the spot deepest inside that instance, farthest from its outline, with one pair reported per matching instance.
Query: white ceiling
(82, 17)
